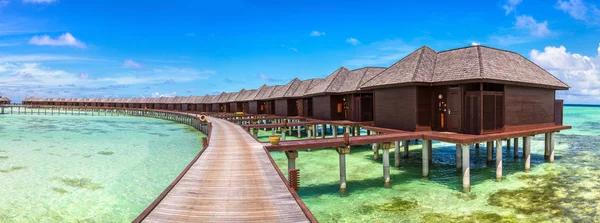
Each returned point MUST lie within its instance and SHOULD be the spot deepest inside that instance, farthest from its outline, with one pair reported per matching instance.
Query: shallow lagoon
(566, 191)
(88, 168)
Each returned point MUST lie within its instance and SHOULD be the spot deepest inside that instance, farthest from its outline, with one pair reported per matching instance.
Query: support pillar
(430, 150)
(499, 159)
(386, 163)
(458, 156)
(425, 157)
(551, 144)
(507, 144)
(299, 132)
(397, 154)
(375, 149)
(546, 145)
(323, 130)
(342, 151)
(516, 150)
(466, 170)
(489, 146)
(334, 129)
(283, 130)
(309, 131)
(527, 152)
(405, 148)
(291, 156)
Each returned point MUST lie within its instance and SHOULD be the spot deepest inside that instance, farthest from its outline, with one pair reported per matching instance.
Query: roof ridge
(480, 62)
(361, 79)
(334, 77)
(418, 62)
(289, 87)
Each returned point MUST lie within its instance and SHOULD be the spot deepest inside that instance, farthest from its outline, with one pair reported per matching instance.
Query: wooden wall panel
(322, 107)
(253, 107)
(527, 105)
(424, 107)
(281, 107)
(396, 108)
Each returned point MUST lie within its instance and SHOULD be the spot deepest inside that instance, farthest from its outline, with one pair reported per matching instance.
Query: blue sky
(67, 48)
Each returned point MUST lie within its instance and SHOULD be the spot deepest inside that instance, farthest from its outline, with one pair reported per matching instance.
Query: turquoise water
(566, 191)
(88, 169)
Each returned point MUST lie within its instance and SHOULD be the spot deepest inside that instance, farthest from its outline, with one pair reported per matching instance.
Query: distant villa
(471, 90)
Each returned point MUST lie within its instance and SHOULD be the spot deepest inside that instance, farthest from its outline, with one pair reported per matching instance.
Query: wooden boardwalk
(234, 180)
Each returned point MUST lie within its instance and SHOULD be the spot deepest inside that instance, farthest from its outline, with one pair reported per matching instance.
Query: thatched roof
(474, 63)
(5, 99)
(233, 96)
(244, 96)
(254, 95)
(281, 91)
(331, 84)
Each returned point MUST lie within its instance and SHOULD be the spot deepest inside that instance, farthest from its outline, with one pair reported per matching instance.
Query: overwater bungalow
(221, 103)
(339, 96)
(285, 106)
(254, 106)
(235, 103)
(264, 101)
(245, 100)
(4, 100)
(472, 90)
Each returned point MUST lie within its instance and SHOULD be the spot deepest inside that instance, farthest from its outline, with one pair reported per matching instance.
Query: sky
(69, 48)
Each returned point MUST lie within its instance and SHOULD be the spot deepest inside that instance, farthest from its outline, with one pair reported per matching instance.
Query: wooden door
(454, 111)
(472, 113)
(356, 115)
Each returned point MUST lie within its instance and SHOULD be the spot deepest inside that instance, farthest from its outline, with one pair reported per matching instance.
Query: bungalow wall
(236, 107)
(326, 107)
(396, 108)
(528, 105)
(286, 107)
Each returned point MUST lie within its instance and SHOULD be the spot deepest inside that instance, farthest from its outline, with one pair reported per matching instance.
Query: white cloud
(63, 40)
(537, 29)
(511, 5)
(84, 75)
(39, 58)
(575, 8)
(381, 53)
(39, 1)
(131, 64)
(581, 72)
(316, 33)
(168, 95)
(352, 41)
(475, 43)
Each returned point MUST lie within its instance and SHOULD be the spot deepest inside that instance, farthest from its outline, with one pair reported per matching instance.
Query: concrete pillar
(283, 134)
(507, 144)
(551, 145)
(375, 149)
(546, 145)
(405, 148)
(466, 172)
(334, 129)
(430, 150)
(291, 156)
(516, 150)
(527, 152)
(458, 156)
(397, 154)
(309, 131)
(386, 163)
(299, 132)
(342, 151)
(425, 157)
(499, 159)
(489, 146)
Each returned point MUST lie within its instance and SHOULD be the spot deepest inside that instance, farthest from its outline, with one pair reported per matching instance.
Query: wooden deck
(234, 180)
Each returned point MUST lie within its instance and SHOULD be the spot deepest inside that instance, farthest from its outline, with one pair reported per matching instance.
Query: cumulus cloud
(352, 41)
(63, 40)
(528, 23)
(316, 33)
(39, 1)
(84, 75)
(581, 72)
(475, 43)
(131, 64)
(580, 10)
(511, 5)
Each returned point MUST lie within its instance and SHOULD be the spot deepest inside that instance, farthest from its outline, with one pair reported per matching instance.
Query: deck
(234, 180)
